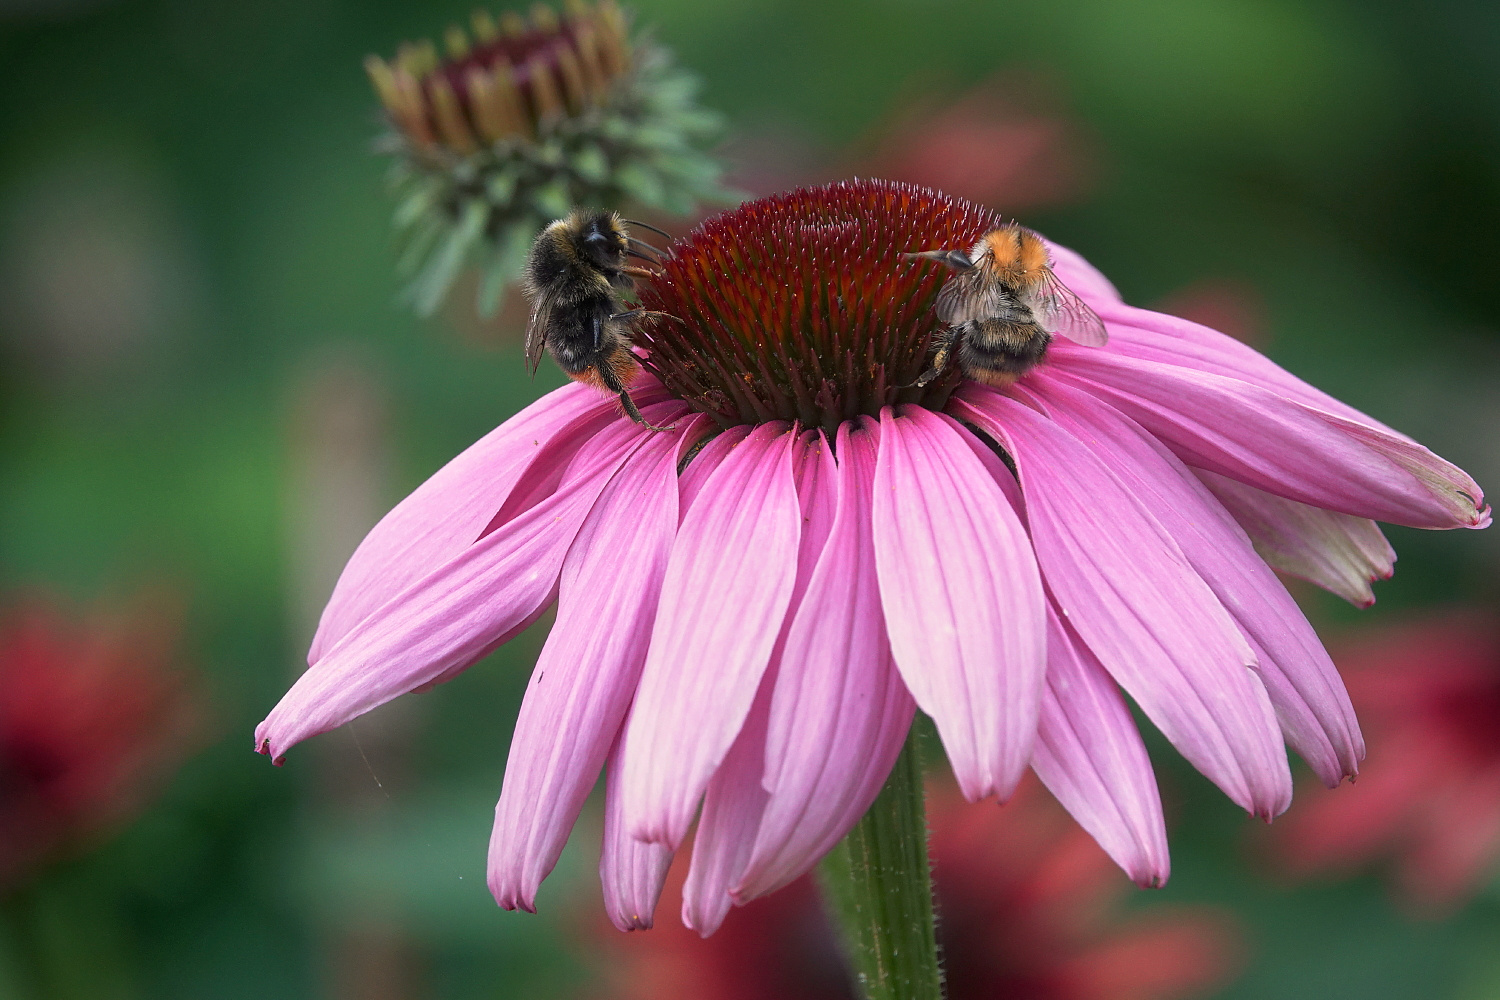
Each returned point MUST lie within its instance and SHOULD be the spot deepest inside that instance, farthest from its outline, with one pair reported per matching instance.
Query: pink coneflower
(751, 606)
(1429, 690)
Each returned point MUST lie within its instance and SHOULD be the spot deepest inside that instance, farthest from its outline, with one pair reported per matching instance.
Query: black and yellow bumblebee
(578, 268)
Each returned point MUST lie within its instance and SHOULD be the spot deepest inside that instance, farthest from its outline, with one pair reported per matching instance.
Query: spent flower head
(752, 605)
(523, 117)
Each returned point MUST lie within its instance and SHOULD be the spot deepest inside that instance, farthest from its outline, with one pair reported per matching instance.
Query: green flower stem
(877, 887)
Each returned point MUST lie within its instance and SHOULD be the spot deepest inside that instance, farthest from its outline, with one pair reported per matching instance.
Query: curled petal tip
(634, 922)
(646, 833)
(516, 904)
(509, 896)
(264, 749)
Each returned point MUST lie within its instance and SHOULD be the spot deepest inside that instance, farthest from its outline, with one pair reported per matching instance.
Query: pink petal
(631, 873)
(1090, 756)
(1339, 553)
(1303, 684)
(1159, 337)
(725, 595)
(587, 672)
(735, 798)
(962, 598)
(1443, 479)
(1082, 278)
(731, 815)
(840, 712)
(454, 615)
(702, 464)
(448, 512)
(1248, 433)
(1125, 587)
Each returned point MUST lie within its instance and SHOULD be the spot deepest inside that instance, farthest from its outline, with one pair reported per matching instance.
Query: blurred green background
(201, 345)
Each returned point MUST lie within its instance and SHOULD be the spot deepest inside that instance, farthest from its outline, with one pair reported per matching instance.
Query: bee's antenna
(640, 256)
(643, 225)
(643, 243)
(955, 259)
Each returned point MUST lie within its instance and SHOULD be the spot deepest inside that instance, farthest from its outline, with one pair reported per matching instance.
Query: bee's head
(599, 238)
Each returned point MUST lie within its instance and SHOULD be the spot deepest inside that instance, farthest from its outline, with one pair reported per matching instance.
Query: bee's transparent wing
(1059, 311)
(967, 297)
(536, 335)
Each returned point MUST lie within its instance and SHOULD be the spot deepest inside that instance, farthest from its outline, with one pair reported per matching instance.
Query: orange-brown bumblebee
(1003, 307)
(574, 277)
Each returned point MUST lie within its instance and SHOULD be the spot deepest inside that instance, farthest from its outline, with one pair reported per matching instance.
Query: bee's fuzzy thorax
(1016, 252)
(802, 306)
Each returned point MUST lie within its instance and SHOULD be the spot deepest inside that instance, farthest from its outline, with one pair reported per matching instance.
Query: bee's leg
(633, 313)
(615, 384)
(640, 272)
(939, 362)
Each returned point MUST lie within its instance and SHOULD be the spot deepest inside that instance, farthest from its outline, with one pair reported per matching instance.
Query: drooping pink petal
(446, 514)
(1171, 340)
(1088, 751)
(732, 808)
(1090, 756)
(457, 612)
(736, 795)
(840, 712)
(962, 598)
(1339, 553)
(1303, 683)
(587, 672)
(1125, 587)
(1442, 478)
(728, 582)
(1082, 278)
(552, 461)
(1281, 446)
(630, 872)
(702, 463)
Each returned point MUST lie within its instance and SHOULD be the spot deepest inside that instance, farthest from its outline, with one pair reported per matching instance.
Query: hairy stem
(877, 887)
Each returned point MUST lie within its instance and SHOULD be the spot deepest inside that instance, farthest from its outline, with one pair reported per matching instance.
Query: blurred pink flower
(1002, 143)
(1028, 908)
(94, 716)
(747, 620)
(1429, 692)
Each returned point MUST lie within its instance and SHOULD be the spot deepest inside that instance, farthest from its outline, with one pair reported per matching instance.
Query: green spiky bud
(525, 118)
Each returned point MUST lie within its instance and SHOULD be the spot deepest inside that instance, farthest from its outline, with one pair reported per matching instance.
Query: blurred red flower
(1428, 796)
(94, 715)
(1028, 909)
